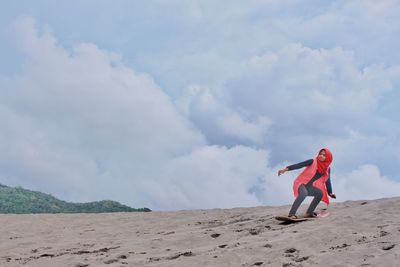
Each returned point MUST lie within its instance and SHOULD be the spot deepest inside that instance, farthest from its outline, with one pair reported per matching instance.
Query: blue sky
(197, 104)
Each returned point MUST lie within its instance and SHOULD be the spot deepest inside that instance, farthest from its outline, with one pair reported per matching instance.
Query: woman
(313, 181)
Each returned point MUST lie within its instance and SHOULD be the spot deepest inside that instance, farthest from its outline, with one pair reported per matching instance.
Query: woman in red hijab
(313, 181)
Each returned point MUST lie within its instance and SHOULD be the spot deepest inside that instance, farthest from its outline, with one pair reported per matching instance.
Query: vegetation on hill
(20, 200)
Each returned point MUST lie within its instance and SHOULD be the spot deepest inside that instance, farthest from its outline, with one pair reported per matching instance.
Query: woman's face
(322, 155)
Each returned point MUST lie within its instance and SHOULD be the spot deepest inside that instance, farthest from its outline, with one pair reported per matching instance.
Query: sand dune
(357, 233)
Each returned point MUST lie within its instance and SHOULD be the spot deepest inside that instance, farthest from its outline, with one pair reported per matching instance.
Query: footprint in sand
(185, 254)
(383, 233)
(294, 254)
(340, 246)
(290, 250)
(215, 235)
(110, 261)
(388, 247)
(256, 231)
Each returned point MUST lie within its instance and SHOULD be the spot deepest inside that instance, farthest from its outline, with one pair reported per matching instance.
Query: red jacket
(309, 173)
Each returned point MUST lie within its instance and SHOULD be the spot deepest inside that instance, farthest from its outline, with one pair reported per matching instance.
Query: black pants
(304, 191)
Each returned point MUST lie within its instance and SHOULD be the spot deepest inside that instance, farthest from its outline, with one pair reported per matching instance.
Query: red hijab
(322, 166)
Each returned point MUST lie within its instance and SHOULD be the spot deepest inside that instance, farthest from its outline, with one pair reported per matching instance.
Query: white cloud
(300, 81)
(355, 149)
(365, 182)
(82, 126)
(311, 97)
(212, 177)
(219, 122)
(219, 37)
(368, 28)
(78, 118)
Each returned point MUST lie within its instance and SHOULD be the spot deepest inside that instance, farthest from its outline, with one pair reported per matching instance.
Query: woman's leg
(300, 198)
(317, 193)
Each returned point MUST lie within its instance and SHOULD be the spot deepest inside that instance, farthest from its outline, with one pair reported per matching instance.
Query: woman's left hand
(332, 195)
(282, 171)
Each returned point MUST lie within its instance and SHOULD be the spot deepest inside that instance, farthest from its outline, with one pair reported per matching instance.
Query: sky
(197, 104)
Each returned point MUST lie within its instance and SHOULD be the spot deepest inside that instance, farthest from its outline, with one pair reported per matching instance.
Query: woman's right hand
(282, 171)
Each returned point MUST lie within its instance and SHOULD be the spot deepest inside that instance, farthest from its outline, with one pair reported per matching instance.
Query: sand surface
(357, 233)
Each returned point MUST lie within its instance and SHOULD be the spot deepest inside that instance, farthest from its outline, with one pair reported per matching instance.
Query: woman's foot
(291, 216)
(310, 215)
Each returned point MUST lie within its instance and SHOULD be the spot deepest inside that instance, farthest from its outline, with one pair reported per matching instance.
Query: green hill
(20, 200)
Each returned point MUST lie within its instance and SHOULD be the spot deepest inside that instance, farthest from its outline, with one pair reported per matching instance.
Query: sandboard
(286, 219)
